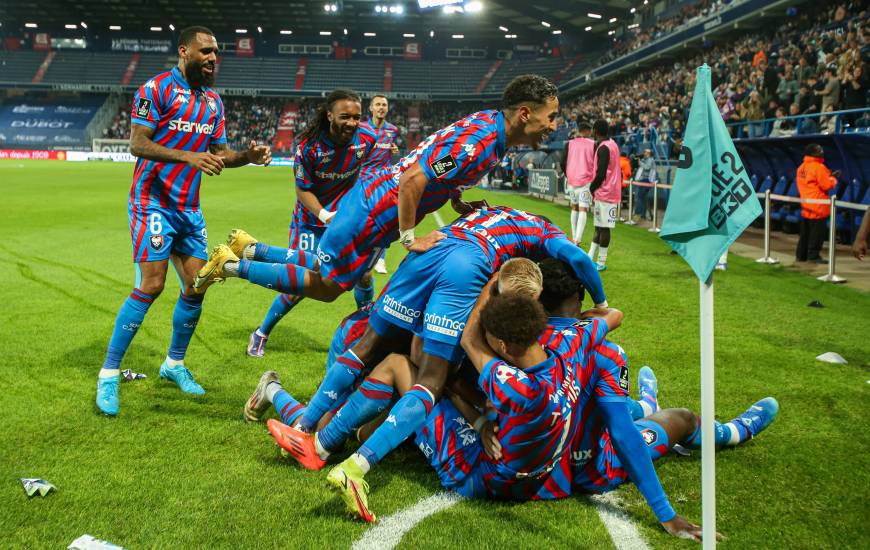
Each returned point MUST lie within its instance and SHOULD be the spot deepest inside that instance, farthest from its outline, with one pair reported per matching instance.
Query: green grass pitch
(182, 472)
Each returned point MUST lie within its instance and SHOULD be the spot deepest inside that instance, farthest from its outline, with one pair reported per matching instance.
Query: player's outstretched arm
(560, 248)
(631, 450)
(255, 154)
(412, 184)
(473, 340)
(612, 317)
(142, 145)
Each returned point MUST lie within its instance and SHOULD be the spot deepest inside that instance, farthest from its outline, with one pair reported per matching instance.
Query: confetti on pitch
(832, 357)
(129, 376)
(34, 485)
(88, 542)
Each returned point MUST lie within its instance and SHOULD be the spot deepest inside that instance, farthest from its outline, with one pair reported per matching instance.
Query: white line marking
(622, 531)
(438, 219)
(389, 531)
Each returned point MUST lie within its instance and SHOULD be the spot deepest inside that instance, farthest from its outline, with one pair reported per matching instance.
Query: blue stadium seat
(793, 214)
(778, 212)
(753, 180)
(766, 184)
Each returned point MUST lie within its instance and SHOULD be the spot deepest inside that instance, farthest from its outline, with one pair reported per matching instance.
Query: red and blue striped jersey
(504, 233)
(381, 154)
(604, 378)
(453, 159)
(328, 171)
(537, 420)
(183, 118)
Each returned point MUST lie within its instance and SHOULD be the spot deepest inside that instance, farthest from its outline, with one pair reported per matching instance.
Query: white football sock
(321, 452)
(574, 215)
(361, 462)
(593, 250)
(231, 269)
(581, 224)
(271, 389)
(248, 252)
(174, 362)
(602, 255)
(109, 373)
(260, 334)
(735, 434)
(646, 407)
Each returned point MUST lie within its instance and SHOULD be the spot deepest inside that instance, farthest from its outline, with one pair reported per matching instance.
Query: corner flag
(712, 201)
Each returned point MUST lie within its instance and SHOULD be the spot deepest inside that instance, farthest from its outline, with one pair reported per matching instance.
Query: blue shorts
(352, 242)
(431, 294)
(304, 237)
(156, 232)
(453, 449)
(607, 473)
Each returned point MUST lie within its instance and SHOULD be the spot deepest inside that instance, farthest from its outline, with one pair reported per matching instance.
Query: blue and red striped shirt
(184, 118)
(454, 158)
(504, 233)
(381, 154)
(328, 171)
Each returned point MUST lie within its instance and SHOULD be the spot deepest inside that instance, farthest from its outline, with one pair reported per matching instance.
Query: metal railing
(746, 128)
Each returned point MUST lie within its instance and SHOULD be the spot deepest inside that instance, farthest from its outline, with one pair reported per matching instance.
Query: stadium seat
(777, 209)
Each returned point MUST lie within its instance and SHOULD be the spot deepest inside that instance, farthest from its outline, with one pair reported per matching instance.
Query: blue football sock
(286, 278)
(406, 416)
(365, 404)
(287, 407)
(363, 295)
(184, 320)
(280, 307)
(336, 386)
(635, 409)
(725, 435)
(278, 255)
(129, 318)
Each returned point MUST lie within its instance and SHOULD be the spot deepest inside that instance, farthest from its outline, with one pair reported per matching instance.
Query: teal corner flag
(712, 201)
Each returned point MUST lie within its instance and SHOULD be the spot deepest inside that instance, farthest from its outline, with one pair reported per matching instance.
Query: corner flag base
(836, 279)
(767, 260)
(654, 230)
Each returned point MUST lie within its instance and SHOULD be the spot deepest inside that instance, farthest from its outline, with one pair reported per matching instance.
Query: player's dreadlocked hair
(321, 122)
(560, 283)
(514, 318)
(527, 88)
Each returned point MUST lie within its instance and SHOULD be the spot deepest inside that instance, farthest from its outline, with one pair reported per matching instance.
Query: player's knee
(366, 280)
(152, 286)
(687, 419)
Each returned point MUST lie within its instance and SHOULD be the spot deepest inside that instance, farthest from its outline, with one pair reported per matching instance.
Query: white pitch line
(438, 219)
(389, 531)
(622, 531)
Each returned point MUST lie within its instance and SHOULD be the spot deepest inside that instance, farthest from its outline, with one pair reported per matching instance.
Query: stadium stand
(19, 67)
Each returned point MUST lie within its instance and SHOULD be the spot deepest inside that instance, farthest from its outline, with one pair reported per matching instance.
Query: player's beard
(339, 131)
(194, 75)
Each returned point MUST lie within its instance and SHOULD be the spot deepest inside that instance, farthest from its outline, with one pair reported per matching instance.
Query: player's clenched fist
(209, 163)
(259, 154)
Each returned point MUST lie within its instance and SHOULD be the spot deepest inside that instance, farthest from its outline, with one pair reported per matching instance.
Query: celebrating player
(328, 160)
(387, 204)
(385, 147)
(177, 134)
(612, 443)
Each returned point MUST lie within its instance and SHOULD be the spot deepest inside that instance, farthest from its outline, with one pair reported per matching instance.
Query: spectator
(787, 88)
(778, 130)
(814, 180)
(831, 91)
(646, 173)
(760, 58)
(855, 84)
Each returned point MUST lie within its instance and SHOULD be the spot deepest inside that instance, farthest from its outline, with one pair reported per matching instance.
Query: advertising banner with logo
(412, 51)
(15, 154)
(141, 45)
(543, 182)
(39, 126)
(244, 46)
(41, 42)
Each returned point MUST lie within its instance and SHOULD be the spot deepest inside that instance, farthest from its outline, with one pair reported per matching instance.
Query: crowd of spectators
(815, 63)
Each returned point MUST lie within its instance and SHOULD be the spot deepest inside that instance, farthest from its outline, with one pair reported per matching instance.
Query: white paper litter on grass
(832, 357)
(88, 542)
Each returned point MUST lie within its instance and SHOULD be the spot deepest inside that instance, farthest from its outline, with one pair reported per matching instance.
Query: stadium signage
(190, 126)
(543, 182)
(141, 45)
(31, 155)
(730, 188)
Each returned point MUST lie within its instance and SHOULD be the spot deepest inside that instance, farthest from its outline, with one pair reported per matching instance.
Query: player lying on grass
(386, 205)
(332, 150)
(177, 133)
(612, 445)
(431, 295)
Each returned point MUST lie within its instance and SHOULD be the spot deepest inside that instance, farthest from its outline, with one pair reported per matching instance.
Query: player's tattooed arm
(412, 184)
(142, 145)
(255, 154)
(473, 341)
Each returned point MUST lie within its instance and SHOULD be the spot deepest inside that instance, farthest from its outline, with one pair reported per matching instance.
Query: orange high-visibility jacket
(625, 164)
(814, 180)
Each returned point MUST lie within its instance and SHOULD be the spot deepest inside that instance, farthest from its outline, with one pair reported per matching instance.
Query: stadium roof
(522, 18)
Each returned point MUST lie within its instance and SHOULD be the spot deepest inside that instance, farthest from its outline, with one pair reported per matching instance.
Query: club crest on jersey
(443, 165)
(156, 242)
(359, 153)
(143, 108)
(623, 378)
(212, 104)
(649, 436)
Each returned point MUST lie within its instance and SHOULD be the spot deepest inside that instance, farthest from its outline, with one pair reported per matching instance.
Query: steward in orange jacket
(814, 180)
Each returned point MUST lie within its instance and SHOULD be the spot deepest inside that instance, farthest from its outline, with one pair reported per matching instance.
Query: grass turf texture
(179, 471)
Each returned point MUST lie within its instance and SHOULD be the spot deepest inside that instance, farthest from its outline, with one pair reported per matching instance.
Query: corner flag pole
(708, 437)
